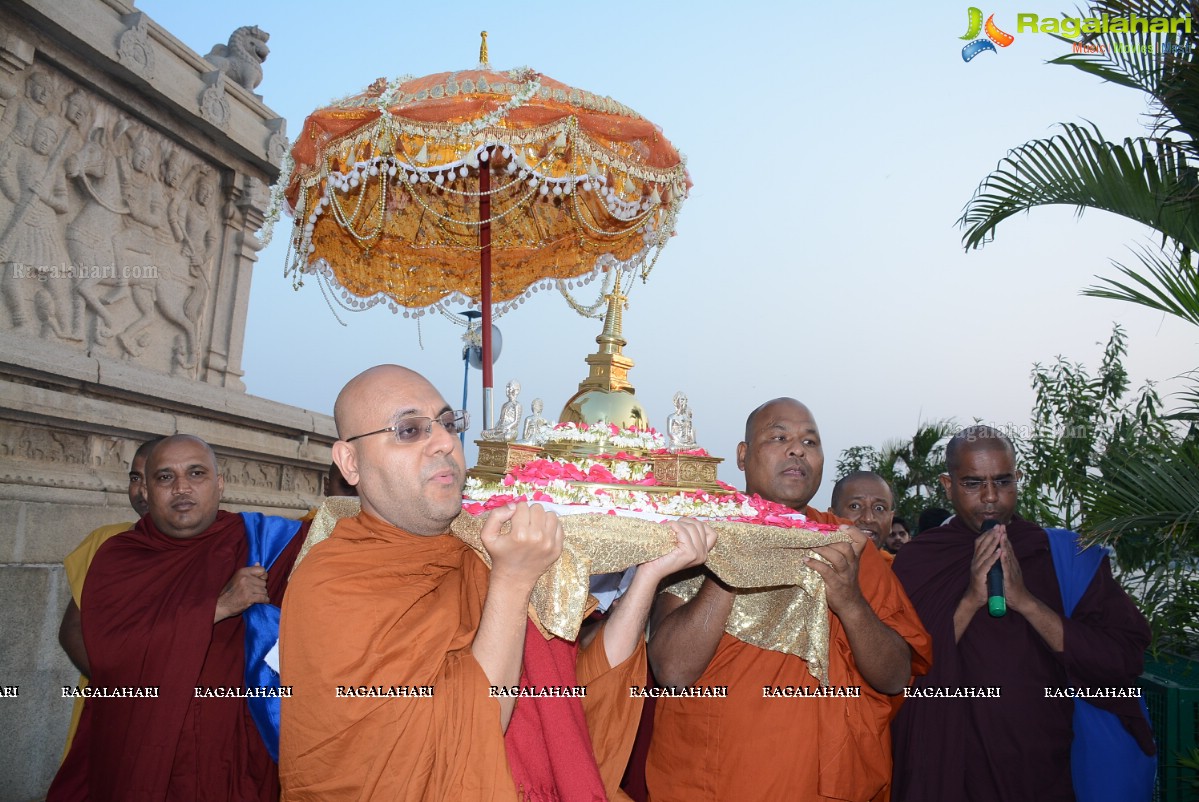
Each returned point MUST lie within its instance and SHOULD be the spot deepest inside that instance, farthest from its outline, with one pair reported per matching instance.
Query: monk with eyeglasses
(402, 647)
(1028, 741)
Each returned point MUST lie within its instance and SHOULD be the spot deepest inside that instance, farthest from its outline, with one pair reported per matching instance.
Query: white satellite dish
(474, 353)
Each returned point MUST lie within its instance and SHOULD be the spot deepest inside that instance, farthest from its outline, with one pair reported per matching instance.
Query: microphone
(996, 602)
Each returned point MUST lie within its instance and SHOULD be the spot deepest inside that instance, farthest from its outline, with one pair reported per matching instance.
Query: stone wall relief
(28, 442)
(109, 232)
(247, 475)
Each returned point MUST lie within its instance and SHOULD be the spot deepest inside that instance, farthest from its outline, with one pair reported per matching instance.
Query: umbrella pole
(465, 384)
(485, 282)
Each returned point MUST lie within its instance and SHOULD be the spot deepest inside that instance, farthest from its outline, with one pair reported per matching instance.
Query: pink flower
(598, 473)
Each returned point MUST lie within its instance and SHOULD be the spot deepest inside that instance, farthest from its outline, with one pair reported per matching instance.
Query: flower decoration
(608, 434)
(574, 483)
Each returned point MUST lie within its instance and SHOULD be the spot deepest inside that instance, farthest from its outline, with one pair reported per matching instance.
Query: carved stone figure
(242, 58)
(90, 235)
(78, 109)
(39, 90)
(175, 167)
(141, 238)
(198, 238)
(536, 429)
(509, 419)
(16, 127)
(680, 434)
(31, 245)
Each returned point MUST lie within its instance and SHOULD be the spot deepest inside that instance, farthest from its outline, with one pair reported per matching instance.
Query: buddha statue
(680, 434)
(509, 419)
(536, 428)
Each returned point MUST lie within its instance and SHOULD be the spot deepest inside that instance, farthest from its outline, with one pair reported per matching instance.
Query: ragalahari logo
(994, 35)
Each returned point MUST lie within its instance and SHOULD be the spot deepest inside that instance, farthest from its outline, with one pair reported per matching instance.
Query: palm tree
(1151, 179)
(1147, 507)
(1141, 497)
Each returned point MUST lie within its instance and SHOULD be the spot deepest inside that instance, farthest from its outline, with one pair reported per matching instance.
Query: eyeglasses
(976, 485)
(418, 428)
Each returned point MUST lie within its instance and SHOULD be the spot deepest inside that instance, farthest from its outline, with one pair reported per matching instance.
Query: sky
(832, 148)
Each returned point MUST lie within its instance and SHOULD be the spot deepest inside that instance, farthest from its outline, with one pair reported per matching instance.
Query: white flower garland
(697, 505)
(277, 202)
(648, 439)
(491, 119)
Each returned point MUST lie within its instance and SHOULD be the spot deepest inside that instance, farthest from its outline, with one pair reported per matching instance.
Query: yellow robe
(76, 564)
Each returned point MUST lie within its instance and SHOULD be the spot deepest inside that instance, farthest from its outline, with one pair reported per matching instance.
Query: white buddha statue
(509, 419)
(680, 434)
(536, 429)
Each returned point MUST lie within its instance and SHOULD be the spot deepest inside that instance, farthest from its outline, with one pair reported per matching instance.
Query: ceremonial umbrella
(476, 187)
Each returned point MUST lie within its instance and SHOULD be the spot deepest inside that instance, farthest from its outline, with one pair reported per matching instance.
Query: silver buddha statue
(509, 418)
(680, 433)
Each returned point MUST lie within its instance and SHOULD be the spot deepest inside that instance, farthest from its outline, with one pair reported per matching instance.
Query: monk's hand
(840, 573)
(693, 540)
(530, 546)
(1015, 593)
(247, 586)
(986, 552)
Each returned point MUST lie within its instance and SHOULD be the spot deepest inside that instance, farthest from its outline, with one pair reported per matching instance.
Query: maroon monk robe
(1016, 747)
(150, 601)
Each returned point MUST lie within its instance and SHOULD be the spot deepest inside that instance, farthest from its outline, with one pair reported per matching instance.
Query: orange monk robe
(376, 606)
(750, 747)
(76, 564)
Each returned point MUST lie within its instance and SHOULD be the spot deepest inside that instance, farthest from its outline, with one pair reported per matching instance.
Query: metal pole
(465, 381)
(471, 316)
(485, 282)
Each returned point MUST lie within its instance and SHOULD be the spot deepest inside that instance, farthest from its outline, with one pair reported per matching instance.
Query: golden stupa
(606, 395)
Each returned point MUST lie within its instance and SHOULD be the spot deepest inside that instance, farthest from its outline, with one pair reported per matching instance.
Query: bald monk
(1019, 746)
(165, 612)
(395, 633)
(76, 565)
(756, 748)
(865, 499)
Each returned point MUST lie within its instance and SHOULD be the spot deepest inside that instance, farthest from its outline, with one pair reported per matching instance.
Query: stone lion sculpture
(241, 59)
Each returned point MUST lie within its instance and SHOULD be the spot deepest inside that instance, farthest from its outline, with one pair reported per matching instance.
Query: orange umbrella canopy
(384, 187)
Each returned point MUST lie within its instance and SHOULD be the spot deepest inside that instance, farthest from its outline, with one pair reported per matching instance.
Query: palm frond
(1138, 179)
(1189, 411)
(1151, 493)
(1167, 282)
(1168, 72)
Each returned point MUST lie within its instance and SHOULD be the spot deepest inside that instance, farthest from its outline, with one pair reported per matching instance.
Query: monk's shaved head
(143, 451)
(972, 438)
(753, 416)
(183, 486)
(781, 453)
(158, 447)
(137, 477)
(864, 478)
(417, 485)
(357, 405)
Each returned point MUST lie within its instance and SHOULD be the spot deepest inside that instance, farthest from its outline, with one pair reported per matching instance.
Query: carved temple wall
(133, 175)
